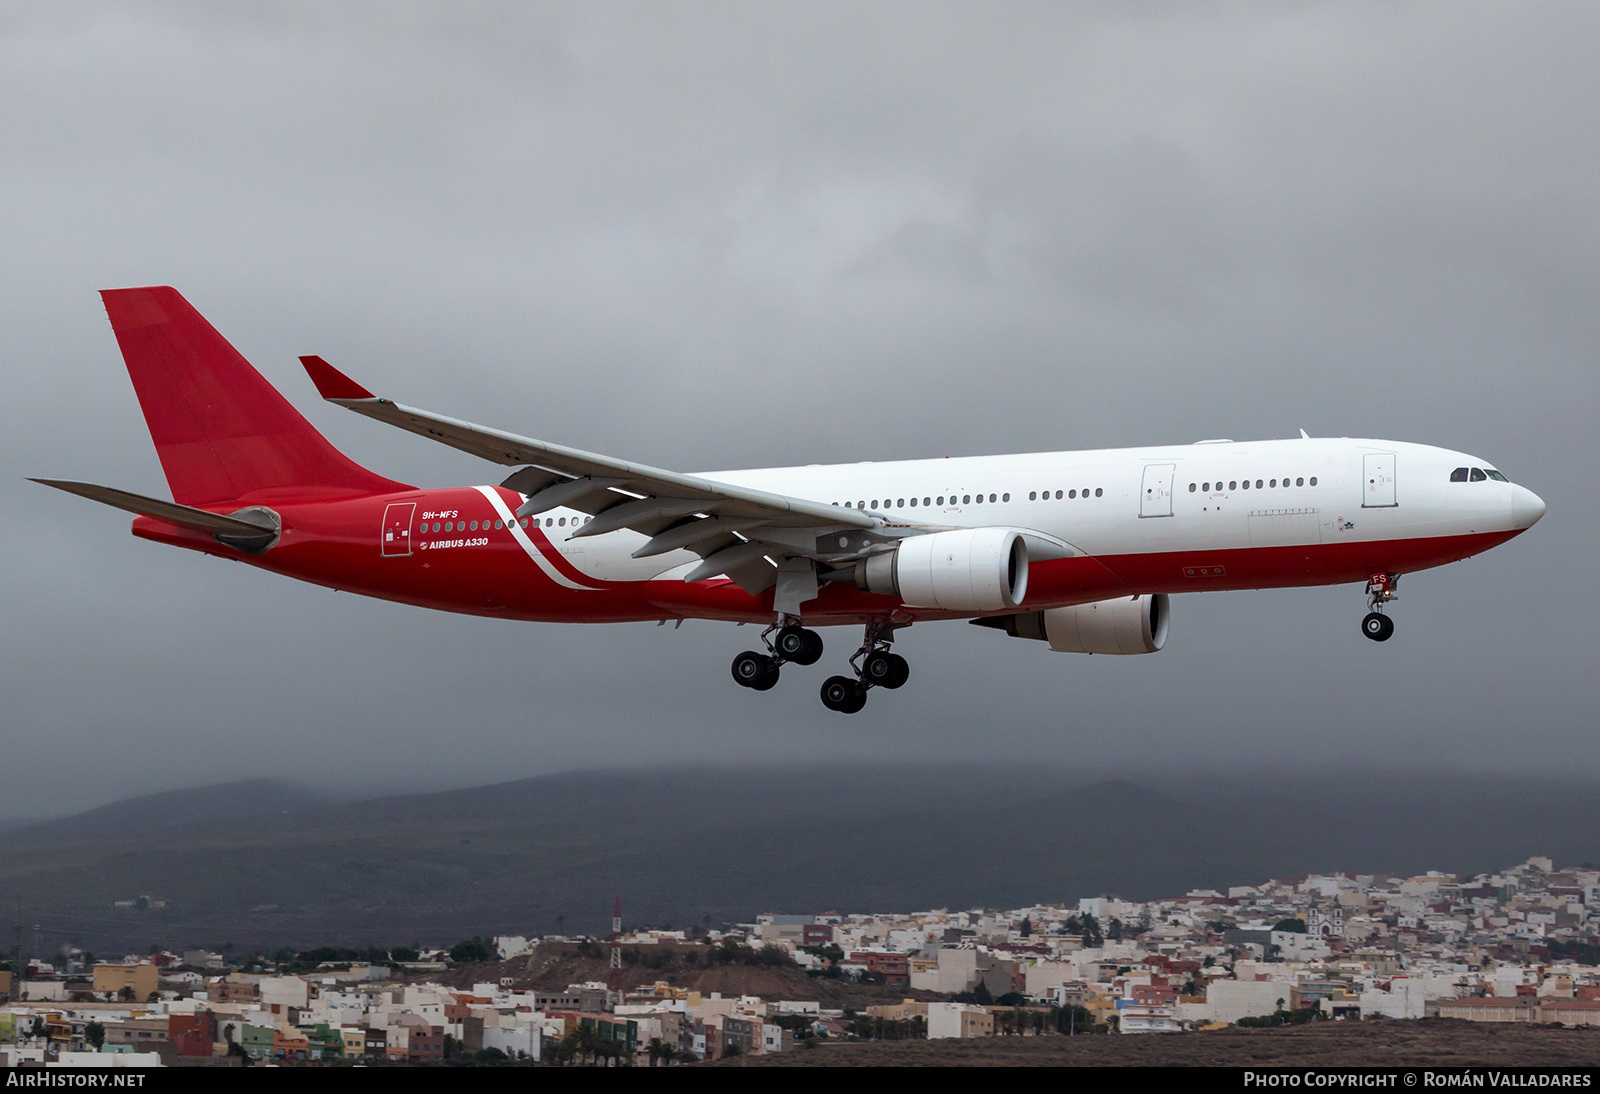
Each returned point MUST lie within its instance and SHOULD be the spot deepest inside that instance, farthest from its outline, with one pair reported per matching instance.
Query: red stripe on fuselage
(336, 544)
(1292, 567)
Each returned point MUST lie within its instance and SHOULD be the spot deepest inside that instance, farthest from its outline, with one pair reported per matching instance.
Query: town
(1518, 946)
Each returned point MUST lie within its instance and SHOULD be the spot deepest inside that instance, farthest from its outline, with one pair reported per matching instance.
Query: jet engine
(1125, 625)
(969, 570)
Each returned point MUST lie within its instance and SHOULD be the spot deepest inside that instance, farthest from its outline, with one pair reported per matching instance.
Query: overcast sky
(712, 236)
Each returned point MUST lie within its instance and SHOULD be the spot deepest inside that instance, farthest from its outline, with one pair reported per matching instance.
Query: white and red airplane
(1078, 549)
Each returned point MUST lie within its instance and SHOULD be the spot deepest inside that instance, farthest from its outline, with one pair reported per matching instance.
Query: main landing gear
(874, 665)
(1381, 589)
(793, 642)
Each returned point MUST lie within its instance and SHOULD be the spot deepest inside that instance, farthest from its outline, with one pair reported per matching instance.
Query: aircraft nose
(1526, 507)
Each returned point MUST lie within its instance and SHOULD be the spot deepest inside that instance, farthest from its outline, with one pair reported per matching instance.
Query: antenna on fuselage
(1304, 436)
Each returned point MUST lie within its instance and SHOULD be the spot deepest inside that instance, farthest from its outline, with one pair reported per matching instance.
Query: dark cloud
(717, 236)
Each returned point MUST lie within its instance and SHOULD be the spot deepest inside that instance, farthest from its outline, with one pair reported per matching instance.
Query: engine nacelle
(1125, 625)
(969, 570)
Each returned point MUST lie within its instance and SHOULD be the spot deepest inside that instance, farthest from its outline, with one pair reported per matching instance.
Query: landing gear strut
(1381, 589)
(874, 665)
(759, 671)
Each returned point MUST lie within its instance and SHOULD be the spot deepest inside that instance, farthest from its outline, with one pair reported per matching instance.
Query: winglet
(331, 383)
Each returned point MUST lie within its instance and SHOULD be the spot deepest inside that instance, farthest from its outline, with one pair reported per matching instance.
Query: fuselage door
(1377, 480)
(397, 528)
(1155, 497)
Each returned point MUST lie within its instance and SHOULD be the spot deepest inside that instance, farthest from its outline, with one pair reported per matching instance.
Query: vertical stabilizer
(222, 432)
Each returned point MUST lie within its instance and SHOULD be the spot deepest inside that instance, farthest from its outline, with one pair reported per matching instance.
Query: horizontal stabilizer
(183, 516)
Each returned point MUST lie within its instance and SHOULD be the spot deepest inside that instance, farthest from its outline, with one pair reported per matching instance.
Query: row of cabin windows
(1045, 494)
(963, 499)
(1244, 484)
(472, 525)
(1478, 474)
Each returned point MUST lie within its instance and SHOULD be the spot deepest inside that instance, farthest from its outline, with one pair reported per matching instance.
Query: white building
(1231, 1000)
(283, 991)
(511, 945)
(946, 1020)
(1145, 1018)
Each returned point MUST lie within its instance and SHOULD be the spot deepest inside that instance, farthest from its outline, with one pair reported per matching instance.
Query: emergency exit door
(1155, 496)
(1377, 480)
(397, 528)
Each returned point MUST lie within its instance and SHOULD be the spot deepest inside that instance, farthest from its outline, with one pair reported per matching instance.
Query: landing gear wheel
(902, 671)
(843, 694)
(755, 670)
(880, 669)
(1377, 626)
(795, 643)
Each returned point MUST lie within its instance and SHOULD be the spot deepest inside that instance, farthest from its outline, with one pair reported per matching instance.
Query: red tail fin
(223, 433)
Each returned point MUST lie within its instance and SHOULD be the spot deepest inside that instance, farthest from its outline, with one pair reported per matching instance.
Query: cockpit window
(1478, 475)
(1459, 475)
(1495, 475)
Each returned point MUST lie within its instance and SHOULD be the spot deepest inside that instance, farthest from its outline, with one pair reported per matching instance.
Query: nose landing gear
(1381, 589)
(759, 671)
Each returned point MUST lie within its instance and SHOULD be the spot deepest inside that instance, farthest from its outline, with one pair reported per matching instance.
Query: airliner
(1081, 551)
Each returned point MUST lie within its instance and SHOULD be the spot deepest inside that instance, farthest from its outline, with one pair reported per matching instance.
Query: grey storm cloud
(709, 236)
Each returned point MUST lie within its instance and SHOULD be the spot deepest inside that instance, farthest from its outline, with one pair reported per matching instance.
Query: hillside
(258, 865)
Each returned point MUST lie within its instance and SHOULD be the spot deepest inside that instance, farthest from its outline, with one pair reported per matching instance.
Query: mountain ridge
(291, 867)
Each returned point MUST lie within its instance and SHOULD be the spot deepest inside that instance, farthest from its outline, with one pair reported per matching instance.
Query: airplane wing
(735, 529)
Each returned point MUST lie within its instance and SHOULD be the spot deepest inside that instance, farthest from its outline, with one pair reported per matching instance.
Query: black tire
(813, 651)
(902, 671)
(858, 699)
(837, 692)
(1377, 627)
(754, 670)
(770, 680)
(878, 669)
(795, 643)
(790, 642)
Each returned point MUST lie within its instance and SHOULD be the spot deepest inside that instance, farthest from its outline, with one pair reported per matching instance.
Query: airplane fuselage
(1161, 519)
